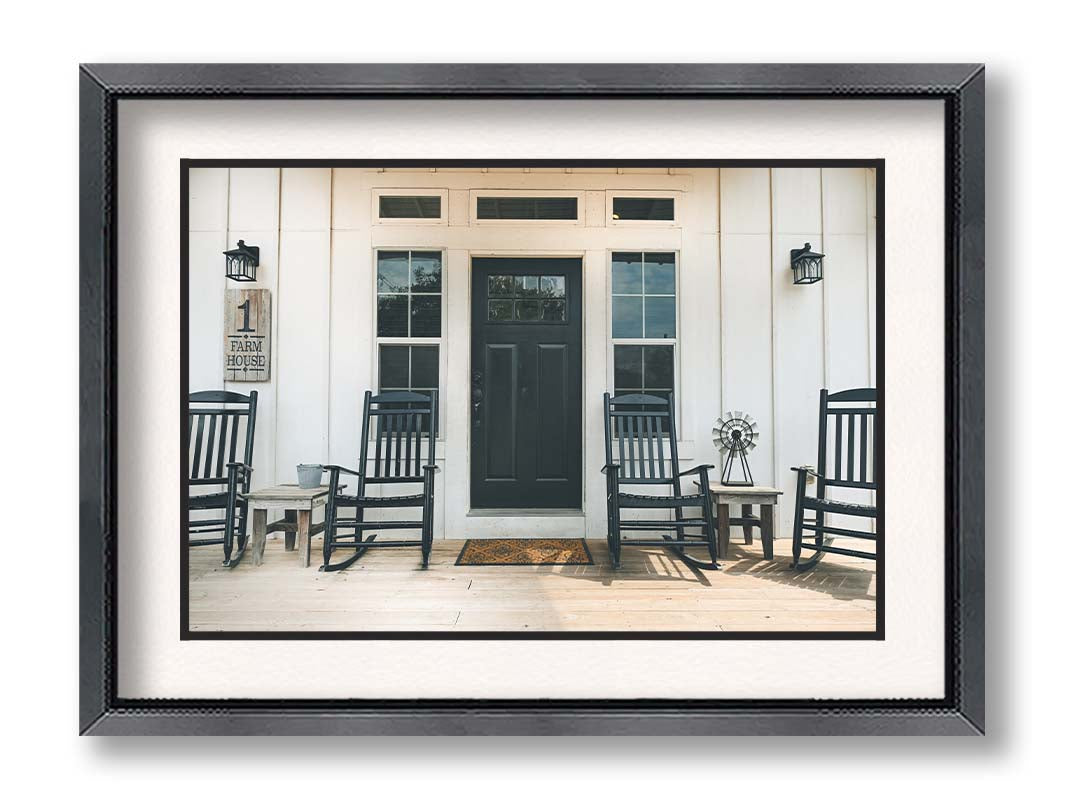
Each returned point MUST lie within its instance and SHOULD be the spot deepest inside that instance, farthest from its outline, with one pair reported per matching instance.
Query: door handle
(477, 396)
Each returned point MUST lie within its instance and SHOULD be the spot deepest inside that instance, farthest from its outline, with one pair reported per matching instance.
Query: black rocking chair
(847, 424)
(222, 427)
(405, 423)
(644, 427)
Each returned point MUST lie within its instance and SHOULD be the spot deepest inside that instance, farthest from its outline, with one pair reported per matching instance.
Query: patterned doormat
(521, 552)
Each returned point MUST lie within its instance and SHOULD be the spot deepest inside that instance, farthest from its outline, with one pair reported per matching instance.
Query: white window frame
(579, 195)
(673, 342)
(376, 194)
(611, 222)
(439, 341)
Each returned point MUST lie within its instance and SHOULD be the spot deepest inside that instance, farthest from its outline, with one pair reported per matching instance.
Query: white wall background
(749, 339)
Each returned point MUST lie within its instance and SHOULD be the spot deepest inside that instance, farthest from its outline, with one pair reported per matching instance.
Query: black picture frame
(960, 87)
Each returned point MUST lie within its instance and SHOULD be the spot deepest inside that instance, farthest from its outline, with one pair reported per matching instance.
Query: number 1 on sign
(246, 307)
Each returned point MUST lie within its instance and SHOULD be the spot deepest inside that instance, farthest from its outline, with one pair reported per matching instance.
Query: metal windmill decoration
(735, 436)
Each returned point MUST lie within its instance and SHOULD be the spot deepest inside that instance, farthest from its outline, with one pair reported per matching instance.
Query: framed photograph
(512, 399)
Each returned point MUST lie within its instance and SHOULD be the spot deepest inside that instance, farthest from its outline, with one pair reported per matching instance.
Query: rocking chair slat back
(219, 422)
(637, 421)
(641, 447)
(849, 442)
(401, 421)
(848, 424)
(418, 439)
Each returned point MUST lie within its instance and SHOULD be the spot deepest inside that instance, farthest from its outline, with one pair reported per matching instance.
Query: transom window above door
(527, 298)
(526, 207)
(537, 208)
(394, 206)
(409, 293)
(642, 209)
(409, 207)
(636, 209)
(643, 296)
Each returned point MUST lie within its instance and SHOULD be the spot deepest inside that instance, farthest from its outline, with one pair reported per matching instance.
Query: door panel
(526, 323)
(500, 417)
(552, 408)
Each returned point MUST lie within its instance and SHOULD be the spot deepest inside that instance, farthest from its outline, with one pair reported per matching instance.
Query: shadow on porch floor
(653, 591)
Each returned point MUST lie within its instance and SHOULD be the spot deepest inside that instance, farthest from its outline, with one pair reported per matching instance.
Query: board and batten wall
(748, 338)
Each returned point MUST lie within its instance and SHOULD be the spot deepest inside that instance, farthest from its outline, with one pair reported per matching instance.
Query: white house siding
(748, 339)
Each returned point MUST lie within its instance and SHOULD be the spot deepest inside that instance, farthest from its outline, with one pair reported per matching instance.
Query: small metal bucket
(309, 476)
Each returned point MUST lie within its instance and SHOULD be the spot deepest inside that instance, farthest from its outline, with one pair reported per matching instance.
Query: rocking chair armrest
(239, 465)
(339, 468)
(604, 469)
(431, 467)
(696, 469)
(809, 470)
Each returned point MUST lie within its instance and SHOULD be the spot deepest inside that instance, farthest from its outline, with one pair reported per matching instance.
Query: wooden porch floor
(654, 590)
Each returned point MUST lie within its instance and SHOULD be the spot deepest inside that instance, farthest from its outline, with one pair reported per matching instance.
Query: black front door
(526, 383)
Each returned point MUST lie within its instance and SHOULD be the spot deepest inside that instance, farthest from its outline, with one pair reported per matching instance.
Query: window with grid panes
(644, 322)
(409, 300)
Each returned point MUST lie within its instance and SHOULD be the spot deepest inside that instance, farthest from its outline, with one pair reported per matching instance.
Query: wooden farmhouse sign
(246, 338)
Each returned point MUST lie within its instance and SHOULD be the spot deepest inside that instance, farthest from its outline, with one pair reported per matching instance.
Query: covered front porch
(653, 591)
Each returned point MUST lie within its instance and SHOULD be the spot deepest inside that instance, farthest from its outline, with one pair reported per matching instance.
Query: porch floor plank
(653, 591)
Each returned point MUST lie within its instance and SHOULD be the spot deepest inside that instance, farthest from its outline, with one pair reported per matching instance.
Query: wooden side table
(766, 497)
(288, 497)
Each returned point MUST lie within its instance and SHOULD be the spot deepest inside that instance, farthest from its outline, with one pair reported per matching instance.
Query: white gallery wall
(748, 338)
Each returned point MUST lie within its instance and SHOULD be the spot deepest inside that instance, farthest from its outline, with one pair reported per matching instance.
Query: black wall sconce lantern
(242, 262)
(807, 264)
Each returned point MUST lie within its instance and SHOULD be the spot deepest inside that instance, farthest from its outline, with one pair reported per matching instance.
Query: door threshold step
(526, 512)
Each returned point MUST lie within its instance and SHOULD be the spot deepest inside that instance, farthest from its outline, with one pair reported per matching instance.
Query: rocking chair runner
(218, 421)
(847, 423)
(406, 425)
(645, 426)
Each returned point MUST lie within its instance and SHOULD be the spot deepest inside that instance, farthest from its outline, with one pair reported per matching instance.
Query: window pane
(627, 367)
(527, 310)
(626, 317)
(643, 208)
(659, 317)
(393, 366)
(527, 208)
(553, 285)
(501, 310)
(424, 366)
(501, 286)
(426, 272)
(626, 273)
(659, 273)
(554, 310)
(556, 207)
(392, 271)
(426, 315)
(413, 368)
(526, 285)
(659, 367)
(659, 258)
(409, 207)
(392, 315)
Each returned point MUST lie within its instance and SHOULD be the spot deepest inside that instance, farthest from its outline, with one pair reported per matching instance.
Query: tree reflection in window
(409, 293)
(527, 298)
